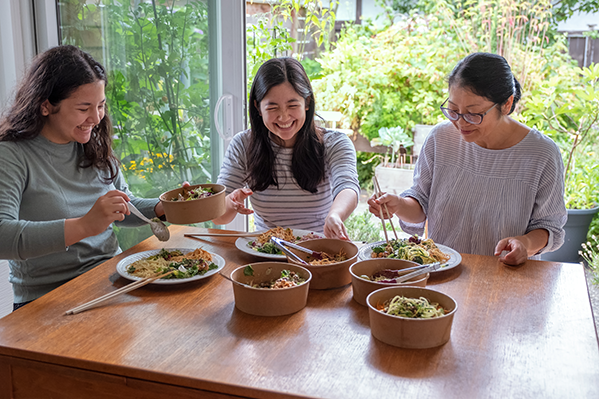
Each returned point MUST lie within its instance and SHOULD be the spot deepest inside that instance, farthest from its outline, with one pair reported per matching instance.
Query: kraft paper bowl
(265, 301)
(362, 288)
(194, 211)
(407, 332)
(332, 275)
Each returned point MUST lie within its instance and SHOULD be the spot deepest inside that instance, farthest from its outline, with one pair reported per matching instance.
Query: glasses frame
(444, 109)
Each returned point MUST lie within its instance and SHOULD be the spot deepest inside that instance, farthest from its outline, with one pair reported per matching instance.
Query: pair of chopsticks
(122, 290)
(378, 193)
(193, 235)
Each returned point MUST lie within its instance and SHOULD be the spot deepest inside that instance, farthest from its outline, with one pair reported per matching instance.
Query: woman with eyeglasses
(486, 183)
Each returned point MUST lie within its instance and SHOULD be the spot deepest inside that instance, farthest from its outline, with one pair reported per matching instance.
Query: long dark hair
(54, 75)
(307, 164)
(489, 76)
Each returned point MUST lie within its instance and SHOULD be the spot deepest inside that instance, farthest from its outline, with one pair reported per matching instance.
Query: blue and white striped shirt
(289, 205)
(473, 197)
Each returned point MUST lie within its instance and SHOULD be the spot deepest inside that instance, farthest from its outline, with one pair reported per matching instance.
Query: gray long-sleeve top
(473, 196)
(41, 185)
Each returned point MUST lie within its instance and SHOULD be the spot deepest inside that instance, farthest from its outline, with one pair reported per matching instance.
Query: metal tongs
(282, 245)
(429, 268)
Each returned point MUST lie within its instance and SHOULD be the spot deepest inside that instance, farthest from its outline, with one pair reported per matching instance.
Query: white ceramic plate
(122, 266)
(243, 244)
(454, 256)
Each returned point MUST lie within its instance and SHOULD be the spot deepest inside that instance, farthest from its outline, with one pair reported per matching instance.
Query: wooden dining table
(519, 332)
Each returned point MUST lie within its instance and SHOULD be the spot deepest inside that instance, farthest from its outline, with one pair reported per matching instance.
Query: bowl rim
(235, 282)
(453, 311)
(162, 196)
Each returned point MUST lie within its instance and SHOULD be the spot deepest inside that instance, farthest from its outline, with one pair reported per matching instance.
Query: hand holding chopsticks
(378, 193)
(122, 290)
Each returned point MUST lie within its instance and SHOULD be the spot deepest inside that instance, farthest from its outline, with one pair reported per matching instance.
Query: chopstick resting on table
(377, 191)
(255, 234)
(130, 287)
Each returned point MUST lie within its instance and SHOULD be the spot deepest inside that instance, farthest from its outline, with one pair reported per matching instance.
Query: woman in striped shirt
(297, 175)
(487, 184)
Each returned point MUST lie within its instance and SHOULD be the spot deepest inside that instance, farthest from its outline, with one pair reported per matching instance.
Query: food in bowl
(402, 306)
(195, 263)
(411, 332)
(206, 203)
(386, 276)
(373, 274)
(269, 302)
(331, 274)
(326, 259)
(413, 248)
(263, 244)
(287, 279)
(190, 194)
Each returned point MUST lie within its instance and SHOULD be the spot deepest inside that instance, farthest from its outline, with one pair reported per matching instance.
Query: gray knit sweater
(41, 185)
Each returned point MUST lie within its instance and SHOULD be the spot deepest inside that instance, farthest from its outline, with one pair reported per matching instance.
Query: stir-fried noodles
(263, 244)
(411, 307)
(194, 263)
(413, 248)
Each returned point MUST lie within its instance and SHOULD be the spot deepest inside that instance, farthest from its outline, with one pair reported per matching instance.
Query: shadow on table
(411, 363)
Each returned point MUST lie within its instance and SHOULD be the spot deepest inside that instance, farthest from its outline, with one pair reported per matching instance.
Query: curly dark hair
(307, 163)
(54, 75)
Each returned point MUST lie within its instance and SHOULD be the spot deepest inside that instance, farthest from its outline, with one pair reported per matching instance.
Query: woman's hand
(235, 203)
(517, 251)
(109, 208)
(407, 209)
(334, 228)
(521, 247)
(375, 205)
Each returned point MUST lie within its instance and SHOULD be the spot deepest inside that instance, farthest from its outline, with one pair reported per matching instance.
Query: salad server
(159, 229)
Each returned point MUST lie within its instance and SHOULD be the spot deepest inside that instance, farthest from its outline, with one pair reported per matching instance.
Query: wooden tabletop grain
(520, 332)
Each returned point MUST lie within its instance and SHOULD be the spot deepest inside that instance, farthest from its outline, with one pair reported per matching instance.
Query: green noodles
(413, 308)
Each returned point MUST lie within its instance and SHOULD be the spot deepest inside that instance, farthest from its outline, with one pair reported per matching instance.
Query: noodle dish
(412, 308)
(413, 248)
(263, 244)
(183, 265)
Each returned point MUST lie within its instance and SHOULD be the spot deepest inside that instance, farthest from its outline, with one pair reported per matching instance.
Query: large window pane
(156, 55)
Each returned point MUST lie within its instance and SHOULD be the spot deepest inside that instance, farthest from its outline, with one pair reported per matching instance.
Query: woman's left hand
(517, 251)
(334, 227)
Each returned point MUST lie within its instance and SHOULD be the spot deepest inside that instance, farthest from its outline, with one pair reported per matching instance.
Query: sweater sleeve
(234, 169)
(145, 205)
(22, 239)
(549, 210)
(341, 159)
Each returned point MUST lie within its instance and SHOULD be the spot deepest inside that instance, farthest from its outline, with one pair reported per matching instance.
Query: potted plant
(569, 108)
(395, 174)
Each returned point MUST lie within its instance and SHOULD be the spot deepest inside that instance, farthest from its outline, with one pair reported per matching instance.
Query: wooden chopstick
(193, 235)
(377, 191)
(110, 295)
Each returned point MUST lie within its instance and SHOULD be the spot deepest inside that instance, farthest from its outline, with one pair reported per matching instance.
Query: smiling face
(283, 112)
(74, 117)
(488, 133)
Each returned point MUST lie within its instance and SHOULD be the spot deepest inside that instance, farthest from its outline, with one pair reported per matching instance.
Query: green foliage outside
(156, 55)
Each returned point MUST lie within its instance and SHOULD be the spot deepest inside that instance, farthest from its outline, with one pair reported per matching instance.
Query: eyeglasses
(473, 119)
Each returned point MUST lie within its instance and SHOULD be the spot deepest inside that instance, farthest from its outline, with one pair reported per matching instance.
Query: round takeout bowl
(269, 302)
(411, 333)
(333, 275)
(361, 287)
(194, 211)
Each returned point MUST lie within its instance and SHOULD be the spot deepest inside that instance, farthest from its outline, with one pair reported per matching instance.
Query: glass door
(163, 58)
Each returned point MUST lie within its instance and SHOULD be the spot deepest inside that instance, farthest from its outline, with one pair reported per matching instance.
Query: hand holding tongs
(282, 245)
(429, 268)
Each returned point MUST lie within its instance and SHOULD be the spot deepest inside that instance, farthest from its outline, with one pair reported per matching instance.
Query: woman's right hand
(109, 208)
(375, 204)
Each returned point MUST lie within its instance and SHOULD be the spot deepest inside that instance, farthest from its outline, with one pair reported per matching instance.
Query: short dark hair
(54, 75)
(307, 163)
(487, 75)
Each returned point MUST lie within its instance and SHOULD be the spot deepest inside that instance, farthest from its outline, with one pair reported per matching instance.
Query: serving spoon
(159, 229)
